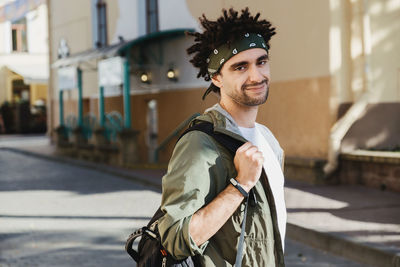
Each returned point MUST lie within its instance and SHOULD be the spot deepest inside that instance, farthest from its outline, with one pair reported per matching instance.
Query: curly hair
(224, 30)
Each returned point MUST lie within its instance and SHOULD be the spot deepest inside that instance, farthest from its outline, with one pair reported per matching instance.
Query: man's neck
(244, 116)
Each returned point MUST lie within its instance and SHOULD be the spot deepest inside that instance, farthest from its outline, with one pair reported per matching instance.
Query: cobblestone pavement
(54, 214)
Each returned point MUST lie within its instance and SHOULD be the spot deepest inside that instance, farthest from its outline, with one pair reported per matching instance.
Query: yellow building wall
(298, 114)
(3, 84)
(11, 76)
(38, 91)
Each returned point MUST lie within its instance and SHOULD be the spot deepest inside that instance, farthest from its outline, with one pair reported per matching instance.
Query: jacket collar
(222, 121)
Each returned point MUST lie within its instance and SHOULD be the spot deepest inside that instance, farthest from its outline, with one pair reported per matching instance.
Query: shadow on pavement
(20, 172)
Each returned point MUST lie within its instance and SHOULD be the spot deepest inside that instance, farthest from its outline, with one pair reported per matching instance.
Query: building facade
(335, 70)
(24, 57)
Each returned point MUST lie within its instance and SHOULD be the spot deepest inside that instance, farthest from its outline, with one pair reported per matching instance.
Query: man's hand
(248, 163)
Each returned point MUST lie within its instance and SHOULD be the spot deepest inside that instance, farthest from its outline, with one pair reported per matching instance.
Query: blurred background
(108, 82)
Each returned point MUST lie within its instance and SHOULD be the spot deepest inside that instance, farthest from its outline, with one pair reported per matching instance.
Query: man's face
(244, 78)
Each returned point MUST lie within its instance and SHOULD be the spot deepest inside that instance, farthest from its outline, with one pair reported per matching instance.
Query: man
(203, 209)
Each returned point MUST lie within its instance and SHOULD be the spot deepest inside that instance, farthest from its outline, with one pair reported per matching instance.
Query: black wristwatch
(239, 187)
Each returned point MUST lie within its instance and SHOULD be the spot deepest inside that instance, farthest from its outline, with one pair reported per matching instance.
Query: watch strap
(239, 187)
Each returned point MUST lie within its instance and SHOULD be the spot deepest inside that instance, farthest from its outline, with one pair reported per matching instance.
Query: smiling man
(205, 188)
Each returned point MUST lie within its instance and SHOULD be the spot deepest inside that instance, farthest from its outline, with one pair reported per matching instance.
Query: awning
(153, 37)
(38, 73)
(98, 53)
(119, 49)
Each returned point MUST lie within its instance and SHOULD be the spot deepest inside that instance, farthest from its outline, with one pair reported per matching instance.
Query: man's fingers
(258, 156)
(244, 147)
(247, 148)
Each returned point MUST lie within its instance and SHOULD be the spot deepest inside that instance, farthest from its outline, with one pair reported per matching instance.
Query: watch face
(239, 187)
(234, 182)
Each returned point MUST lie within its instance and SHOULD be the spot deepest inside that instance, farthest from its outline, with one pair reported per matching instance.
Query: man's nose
(255, 75)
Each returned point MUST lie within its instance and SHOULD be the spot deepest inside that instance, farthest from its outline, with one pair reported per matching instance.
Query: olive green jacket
(199, 169)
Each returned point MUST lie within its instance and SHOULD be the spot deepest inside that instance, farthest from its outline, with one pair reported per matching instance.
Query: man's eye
(240, 68)
(262, 62)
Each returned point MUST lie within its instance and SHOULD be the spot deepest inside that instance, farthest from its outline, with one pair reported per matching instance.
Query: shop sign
(67, 78)
(110, 72)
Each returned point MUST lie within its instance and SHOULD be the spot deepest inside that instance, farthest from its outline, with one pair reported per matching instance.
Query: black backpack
(150, 252)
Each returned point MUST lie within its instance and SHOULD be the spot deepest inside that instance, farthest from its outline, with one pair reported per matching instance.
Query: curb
(335, 244)
(344, 247)
(123, 173)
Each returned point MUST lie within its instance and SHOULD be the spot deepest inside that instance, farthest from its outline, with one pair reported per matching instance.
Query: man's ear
(216, 80)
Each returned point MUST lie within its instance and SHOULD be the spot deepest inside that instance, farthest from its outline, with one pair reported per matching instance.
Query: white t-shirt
(274, 173)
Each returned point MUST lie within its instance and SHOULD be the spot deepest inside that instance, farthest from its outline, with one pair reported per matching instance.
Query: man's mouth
(255, 86)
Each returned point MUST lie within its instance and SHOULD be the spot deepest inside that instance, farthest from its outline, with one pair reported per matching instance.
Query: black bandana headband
(223, 53)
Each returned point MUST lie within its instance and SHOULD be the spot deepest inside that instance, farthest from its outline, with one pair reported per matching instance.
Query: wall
(71, 20)
(3, 84)
(384, 58)
(375, 66)
(173, 108)
(122, 22)
(168, 18)
(298, 114)
(166, 54)
(377, 129)
(5, 37)
(38, 91)
(37, 34)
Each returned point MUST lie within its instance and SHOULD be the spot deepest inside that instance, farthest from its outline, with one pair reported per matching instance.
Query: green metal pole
(61, 107)
(127, 97)
(80, 100)
(101, 106)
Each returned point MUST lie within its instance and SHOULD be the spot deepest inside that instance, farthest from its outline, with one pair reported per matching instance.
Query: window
(101, 14)
(18, 36)
(151, 16)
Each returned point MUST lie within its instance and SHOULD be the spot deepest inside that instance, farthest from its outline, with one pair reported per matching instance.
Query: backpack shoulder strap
(232, 145)
(226, 141)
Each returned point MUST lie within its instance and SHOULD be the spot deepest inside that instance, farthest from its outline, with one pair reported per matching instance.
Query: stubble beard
(246, 100)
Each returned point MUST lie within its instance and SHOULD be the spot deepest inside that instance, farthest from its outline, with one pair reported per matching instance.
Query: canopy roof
(119, 49)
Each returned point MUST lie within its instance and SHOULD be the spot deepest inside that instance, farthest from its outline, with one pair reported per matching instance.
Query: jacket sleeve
(189, 184)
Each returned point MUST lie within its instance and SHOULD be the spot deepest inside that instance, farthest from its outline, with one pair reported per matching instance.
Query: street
(54, 214)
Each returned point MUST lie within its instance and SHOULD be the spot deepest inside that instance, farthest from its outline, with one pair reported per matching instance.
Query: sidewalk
(355, 222)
